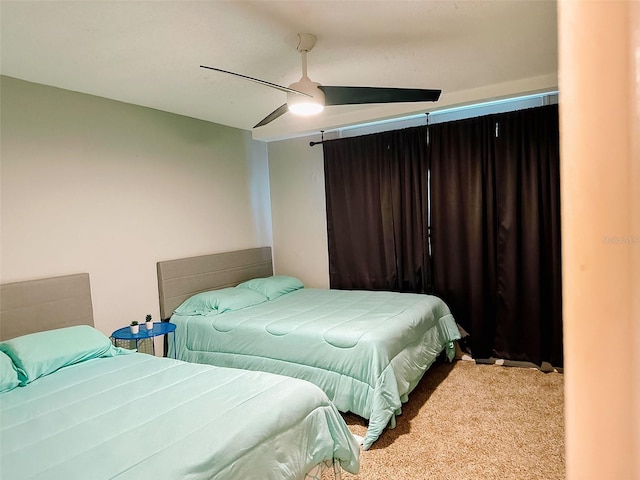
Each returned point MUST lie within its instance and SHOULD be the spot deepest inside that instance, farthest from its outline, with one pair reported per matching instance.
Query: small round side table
(159, 328)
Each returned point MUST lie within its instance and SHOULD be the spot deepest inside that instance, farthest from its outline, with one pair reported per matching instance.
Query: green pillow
(273, 287)
(219, 301)
(42, 353)
(235, 299)
(8, 374)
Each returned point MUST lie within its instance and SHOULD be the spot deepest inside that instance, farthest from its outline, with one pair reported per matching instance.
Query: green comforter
(366, 350)
(141, 417)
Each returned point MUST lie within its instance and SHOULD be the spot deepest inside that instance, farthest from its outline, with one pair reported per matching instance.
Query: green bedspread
(141, 417)
(366, 350)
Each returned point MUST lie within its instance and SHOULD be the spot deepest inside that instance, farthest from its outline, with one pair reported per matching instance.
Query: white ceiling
(148, 53)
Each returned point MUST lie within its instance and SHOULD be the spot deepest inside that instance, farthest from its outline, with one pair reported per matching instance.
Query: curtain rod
(311, 144)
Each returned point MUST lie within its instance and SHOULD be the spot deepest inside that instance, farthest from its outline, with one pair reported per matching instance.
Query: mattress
(135, 416)
(366, 350)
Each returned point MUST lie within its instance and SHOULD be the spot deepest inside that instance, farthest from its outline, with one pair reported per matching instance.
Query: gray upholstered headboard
(179, 279)
(45, 304)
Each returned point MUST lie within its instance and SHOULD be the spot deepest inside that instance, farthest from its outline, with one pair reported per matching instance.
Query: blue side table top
(159, 328)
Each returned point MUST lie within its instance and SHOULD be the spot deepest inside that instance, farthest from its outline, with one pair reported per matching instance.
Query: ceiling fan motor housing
(301, 104)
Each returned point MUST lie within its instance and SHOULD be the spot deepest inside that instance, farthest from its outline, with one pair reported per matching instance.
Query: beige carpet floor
(472, 422)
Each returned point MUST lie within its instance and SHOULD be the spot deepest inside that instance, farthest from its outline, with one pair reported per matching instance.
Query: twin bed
(366, 350)
(73, 406)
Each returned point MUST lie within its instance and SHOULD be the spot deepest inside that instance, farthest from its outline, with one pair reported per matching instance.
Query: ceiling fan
(305, 97)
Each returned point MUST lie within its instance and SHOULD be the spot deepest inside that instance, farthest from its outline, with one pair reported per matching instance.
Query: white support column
(599, 73)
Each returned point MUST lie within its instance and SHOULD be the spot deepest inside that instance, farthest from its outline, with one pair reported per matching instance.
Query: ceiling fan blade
(257, 80)
(273, 115)
(359, 95)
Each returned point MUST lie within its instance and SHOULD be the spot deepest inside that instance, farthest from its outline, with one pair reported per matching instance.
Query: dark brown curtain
(376, 195)
(529, 290)
(463, 236)
(490, 186)
(495, 209)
